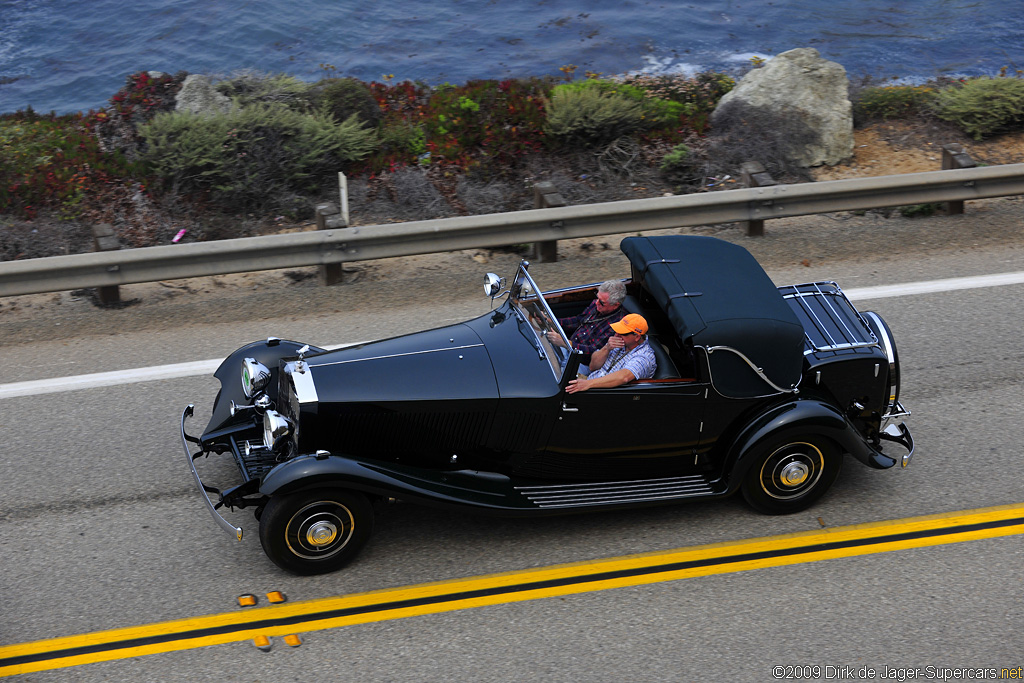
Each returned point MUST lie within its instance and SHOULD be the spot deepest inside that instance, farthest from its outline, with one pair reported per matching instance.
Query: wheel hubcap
(321, 533)
(792, 470)
(794, 474)
(320, 530)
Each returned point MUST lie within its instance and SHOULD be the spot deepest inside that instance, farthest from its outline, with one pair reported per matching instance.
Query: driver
(627, 356)
(589, 330)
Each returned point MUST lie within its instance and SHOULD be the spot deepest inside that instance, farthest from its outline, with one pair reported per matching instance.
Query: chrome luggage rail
(830, 321)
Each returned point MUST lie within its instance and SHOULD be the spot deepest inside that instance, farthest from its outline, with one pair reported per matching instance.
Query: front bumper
(203, 488)
(901, 435)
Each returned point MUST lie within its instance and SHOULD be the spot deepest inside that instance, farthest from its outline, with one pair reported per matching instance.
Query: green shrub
(919, 210)
(698, 95)
(249, 88)
(677, 166)
(982, 106)
(251, 158)
(592, 115)
(404, 138)
(343, 97)
(892, 102)
(658, 110)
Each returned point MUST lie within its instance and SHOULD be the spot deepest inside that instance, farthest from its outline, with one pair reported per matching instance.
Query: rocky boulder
(800, 84)
(198, 96)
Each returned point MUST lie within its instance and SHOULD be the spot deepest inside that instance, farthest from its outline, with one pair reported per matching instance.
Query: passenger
(627, 356)
(591, 329)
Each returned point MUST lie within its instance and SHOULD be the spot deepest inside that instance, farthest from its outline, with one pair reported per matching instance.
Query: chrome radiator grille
(257, 463)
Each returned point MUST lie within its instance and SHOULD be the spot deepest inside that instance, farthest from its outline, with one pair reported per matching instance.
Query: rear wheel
(315, 532)
(790, 474)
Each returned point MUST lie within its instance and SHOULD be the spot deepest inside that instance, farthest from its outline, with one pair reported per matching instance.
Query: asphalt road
(101, 528)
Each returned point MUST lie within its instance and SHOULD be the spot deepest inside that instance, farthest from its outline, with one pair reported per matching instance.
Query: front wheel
(790, 474)
(315, 532)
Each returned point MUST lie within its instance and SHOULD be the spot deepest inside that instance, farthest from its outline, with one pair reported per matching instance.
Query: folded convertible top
(717, 296)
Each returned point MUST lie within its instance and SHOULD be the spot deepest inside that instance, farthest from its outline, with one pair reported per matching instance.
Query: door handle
(567, 409)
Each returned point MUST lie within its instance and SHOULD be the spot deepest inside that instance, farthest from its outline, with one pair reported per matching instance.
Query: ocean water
(72, 55)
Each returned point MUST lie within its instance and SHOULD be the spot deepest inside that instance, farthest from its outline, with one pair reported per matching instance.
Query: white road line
(933, 286)
(206, 367)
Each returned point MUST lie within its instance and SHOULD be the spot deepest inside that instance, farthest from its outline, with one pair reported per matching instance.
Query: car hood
(444, 363)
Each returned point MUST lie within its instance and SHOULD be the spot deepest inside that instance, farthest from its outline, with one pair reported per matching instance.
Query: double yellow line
(565, 579)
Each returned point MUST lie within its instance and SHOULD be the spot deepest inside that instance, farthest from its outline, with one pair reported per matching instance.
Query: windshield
(548, 336)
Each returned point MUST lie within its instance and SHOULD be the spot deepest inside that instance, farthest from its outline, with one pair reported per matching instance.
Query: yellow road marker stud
(276, 596)
(247, 600)
(262, 643)
(292, 641)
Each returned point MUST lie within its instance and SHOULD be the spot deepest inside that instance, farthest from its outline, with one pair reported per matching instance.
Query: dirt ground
(881, 149)
(896, 147)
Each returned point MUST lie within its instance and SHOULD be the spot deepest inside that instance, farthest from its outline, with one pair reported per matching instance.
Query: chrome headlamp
(275, 427)
(255, 377)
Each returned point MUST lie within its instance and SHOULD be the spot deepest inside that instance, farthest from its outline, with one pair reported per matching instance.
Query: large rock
(198, 96)
(799, 82)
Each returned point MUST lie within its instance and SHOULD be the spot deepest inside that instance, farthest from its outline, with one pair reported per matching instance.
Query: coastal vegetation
(278, 147)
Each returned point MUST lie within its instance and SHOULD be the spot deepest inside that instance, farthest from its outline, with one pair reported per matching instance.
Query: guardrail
(322, 247)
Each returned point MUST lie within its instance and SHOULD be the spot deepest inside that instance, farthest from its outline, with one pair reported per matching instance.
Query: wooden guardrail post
(545, 196)
(330, 217)
(104, 239)
(753, 174)
(954, 156)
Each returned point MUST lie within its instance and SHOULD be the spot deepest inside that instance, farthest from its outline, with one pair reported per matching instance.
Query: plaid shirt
(589, 330)
(641, 361)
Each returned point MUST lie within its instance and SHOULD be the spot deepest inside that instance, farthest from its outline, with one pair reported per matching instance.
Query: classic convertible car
(759, 390)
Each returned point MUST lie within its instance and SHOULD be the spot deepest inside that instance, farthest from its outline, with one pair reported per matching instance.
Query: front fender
(811, 416)
(453, 489)
(269, 352)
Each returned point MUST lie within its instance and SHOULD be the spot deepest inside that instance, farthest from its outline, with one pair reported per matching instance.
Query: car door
(636, 431)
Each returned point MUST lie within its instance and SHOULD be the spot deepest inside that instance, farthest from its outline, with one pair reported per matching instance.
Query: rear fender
(809, 416)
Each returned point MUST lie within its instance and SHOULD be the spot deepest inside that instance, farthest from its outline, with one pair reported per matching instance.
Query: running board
(617, 492)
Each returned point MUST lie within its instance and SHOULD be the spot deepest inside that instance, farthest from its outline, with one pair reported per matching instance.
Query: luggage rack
(830, 321)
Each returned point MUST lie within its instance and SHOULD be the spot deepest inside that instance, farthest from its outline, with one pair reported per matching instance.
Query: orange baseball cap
(631, 323)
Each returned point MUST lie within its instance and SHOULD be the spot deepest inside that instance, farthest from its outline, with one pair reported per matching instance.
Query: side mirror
(492, 285)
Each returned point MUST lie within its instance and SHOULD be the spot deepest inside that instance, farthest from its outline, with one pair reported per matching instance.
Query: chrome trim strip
(221, 522)
(837, 347)
(757, 370)
(606, 484)
(611, 493)
(395, 355)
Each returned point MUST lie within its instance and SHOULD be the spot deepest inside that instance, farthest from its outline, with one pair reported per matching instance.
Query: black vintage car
(759, 389)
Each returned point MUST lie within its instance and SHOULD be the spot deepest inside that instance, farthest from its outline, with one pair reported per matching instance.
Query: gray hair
(615, 290)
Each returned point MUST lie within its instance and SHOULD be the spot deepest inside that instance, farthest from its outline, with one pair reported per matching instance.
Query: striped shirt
(640, 361)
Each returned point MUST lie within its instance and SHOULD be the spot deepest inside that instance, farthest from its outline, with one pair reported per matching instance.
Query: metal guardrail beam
(149, 264)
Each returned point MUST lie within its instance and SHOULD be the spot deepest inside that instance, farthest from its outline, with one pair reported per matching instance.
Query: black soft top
(716, 295)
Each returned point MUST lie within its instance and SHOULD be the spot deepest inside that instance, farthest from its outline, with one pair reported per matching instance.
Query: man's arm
(616, 379)
(598, 357)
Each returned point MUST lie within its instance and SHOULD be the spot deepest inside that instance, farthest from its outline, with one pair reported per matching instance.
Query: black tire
(315, 532)
(789, 474)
